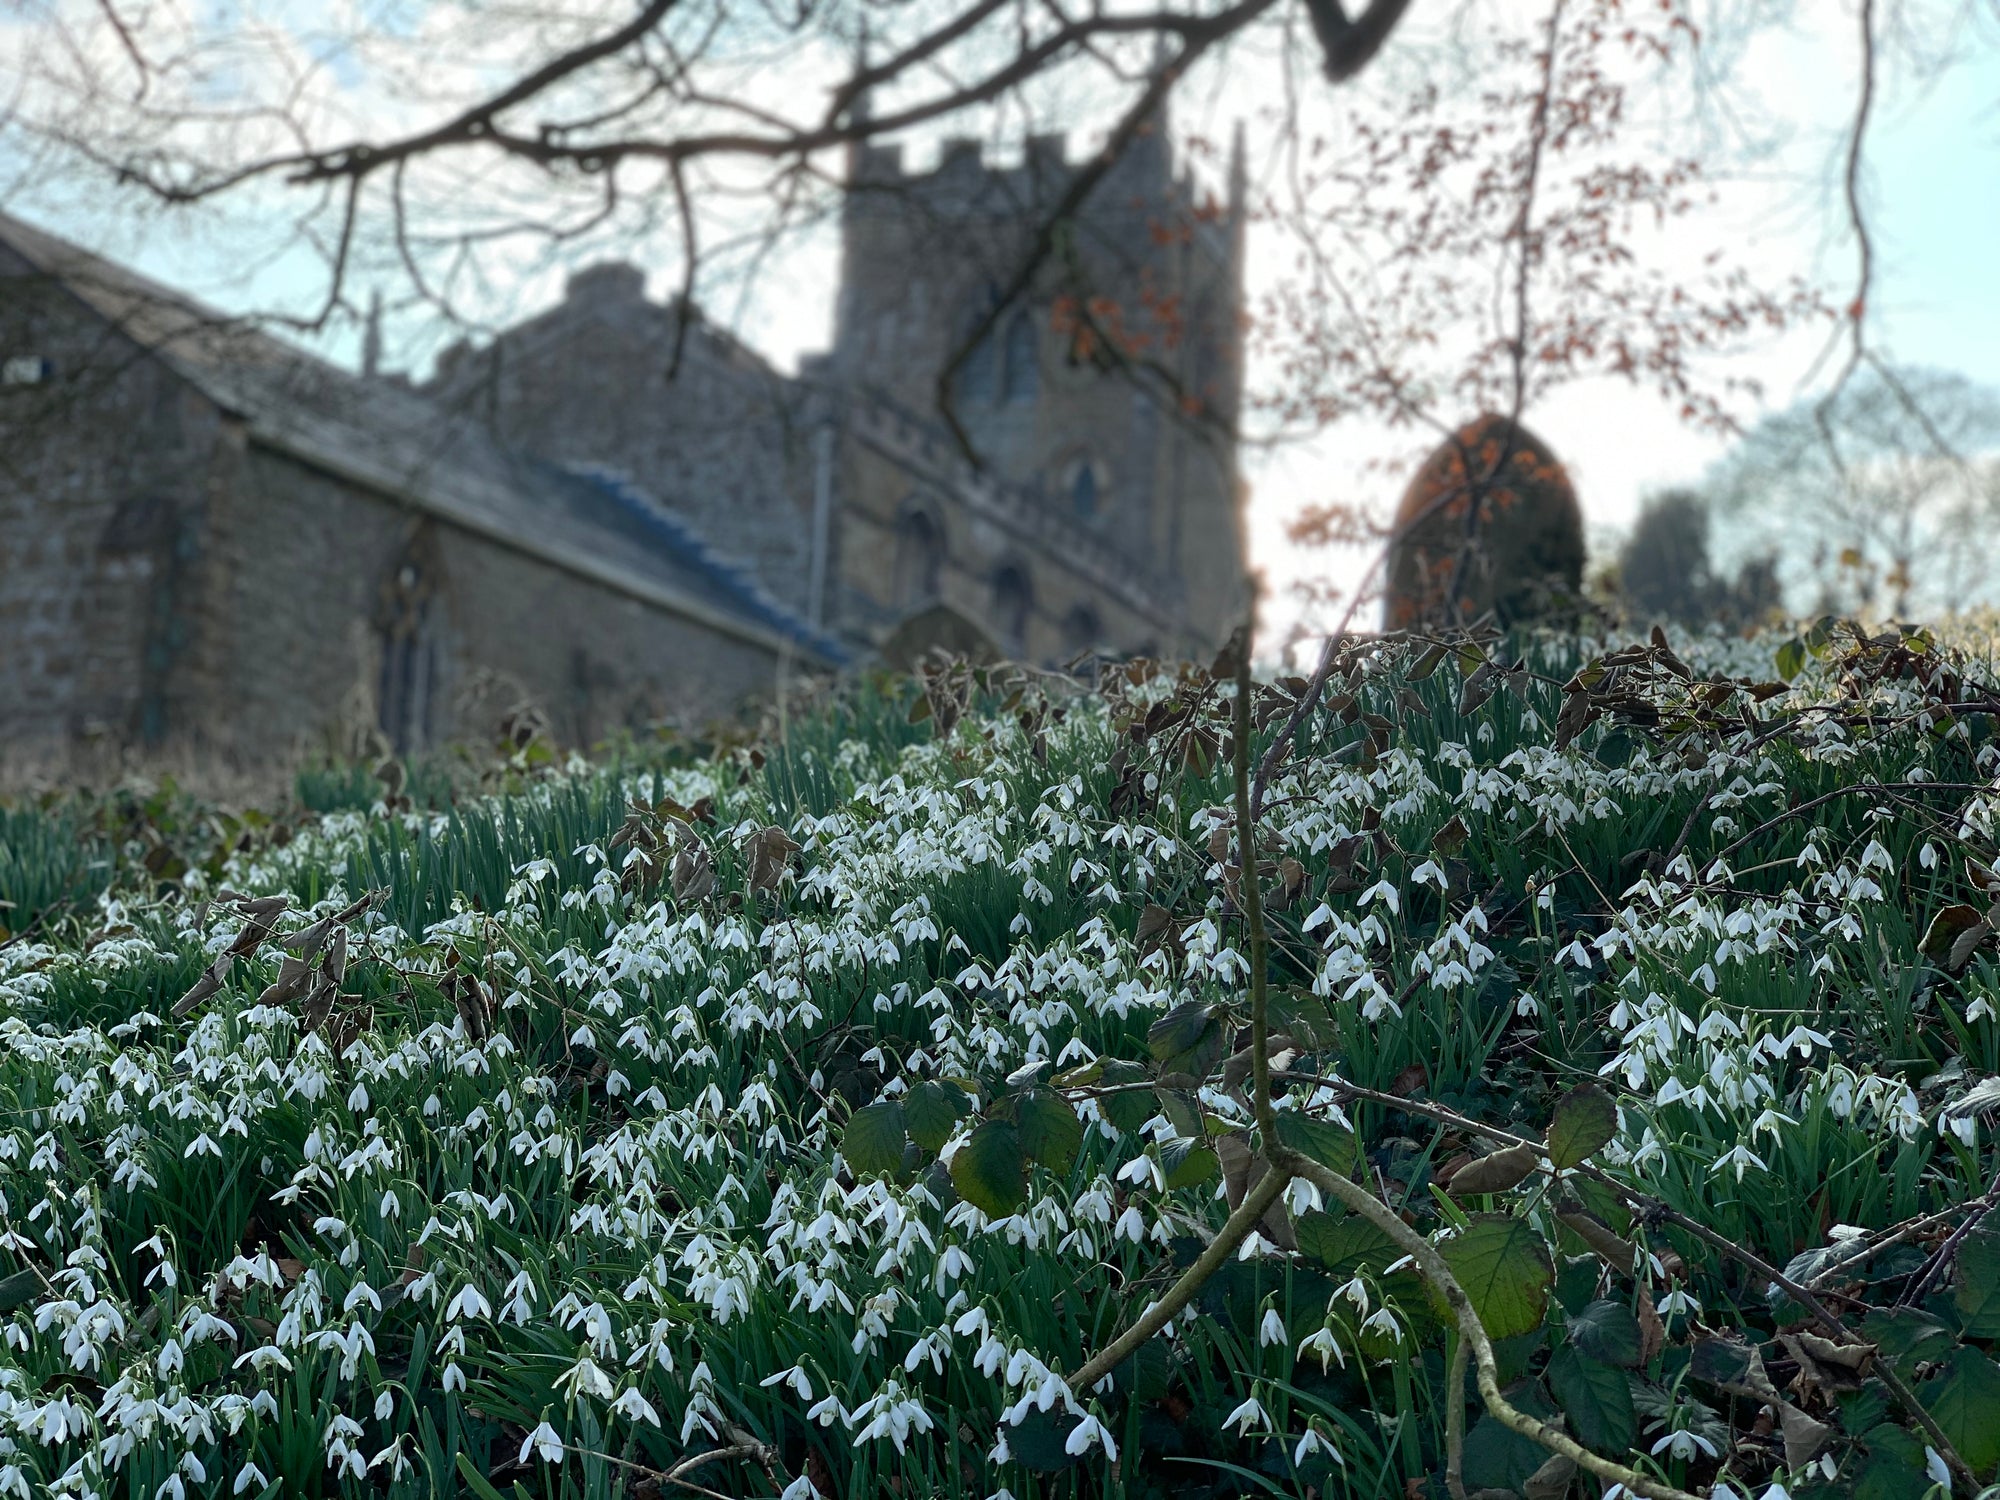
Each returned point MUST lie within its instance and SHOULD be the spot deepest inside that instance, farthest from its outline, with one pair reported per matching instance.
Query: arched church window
(919, 557)
(1013, 599)
(1083, 490)
(406, 687)
(1021, 378)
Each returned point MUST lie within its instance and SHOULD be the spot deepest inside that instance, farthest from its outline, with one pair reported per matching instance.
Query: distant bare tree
(1884, 498)
(1666, 572)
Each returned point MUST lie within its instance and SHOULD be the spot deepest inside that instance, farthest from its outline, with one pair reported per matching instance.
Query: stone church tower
(1101, 408)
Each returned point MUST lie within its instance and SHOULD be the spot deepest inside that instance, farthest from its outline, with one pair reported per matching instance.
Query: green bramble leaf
(873, 1140)
(1040, 1441)
(1346, 1246)
(1791, 658)
(990, 1171)
(1615, 749)
(1978, 1298)
(1051, 1133)
(1608, 1332)
(1188, 1163)
(1332, 1146)
(931, 1111)
(1585, 1120)
(1131, 1107)
(1178, 1038)
(1597, 1398)
(1965, 1400)
(1306, 1018)
(1505, 1269)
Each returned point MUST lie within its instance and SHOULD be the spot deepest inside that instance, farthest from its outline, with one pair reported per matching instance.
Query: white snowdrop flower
(1088, 1432)
(795, 1377)
(633, 1405)
(1323, 1344)
(454, 1377)
(1740, 1158)
(586, 1378)
(1776, 1492)
(1383, 1321)
(1526, 1004)
(1684, 1444)
(1250, 1414)
(1302, 1195)
(890, 1414)
(1272, 1330)
(1142, 1169)
(171, 1486)
(1679, 1300)
(826, 1412)
(202, 1144)
(1384, 892)
(264, 1357)
(1928, 855)
(249, 1477)
(1935, 1467)
(544, 1444)
(385, 1406)
(1313, 1441)
(468, 1304)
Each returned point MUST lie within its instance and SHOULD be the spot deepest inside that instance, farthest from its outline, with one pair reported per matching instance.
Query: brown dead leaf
(1803, 1436)
(1552, 1480)
(1616, 1251)
(1652, 1332)
(770, 850)
(694, 872)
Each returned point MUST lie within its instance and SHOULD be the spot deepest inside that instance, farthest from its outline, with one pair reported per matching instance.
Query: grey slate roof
(396, 441)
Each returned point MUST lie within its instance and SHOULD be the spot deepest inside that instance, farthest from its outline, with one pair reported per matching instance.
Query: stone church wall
(310, 558)
(108, 464)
